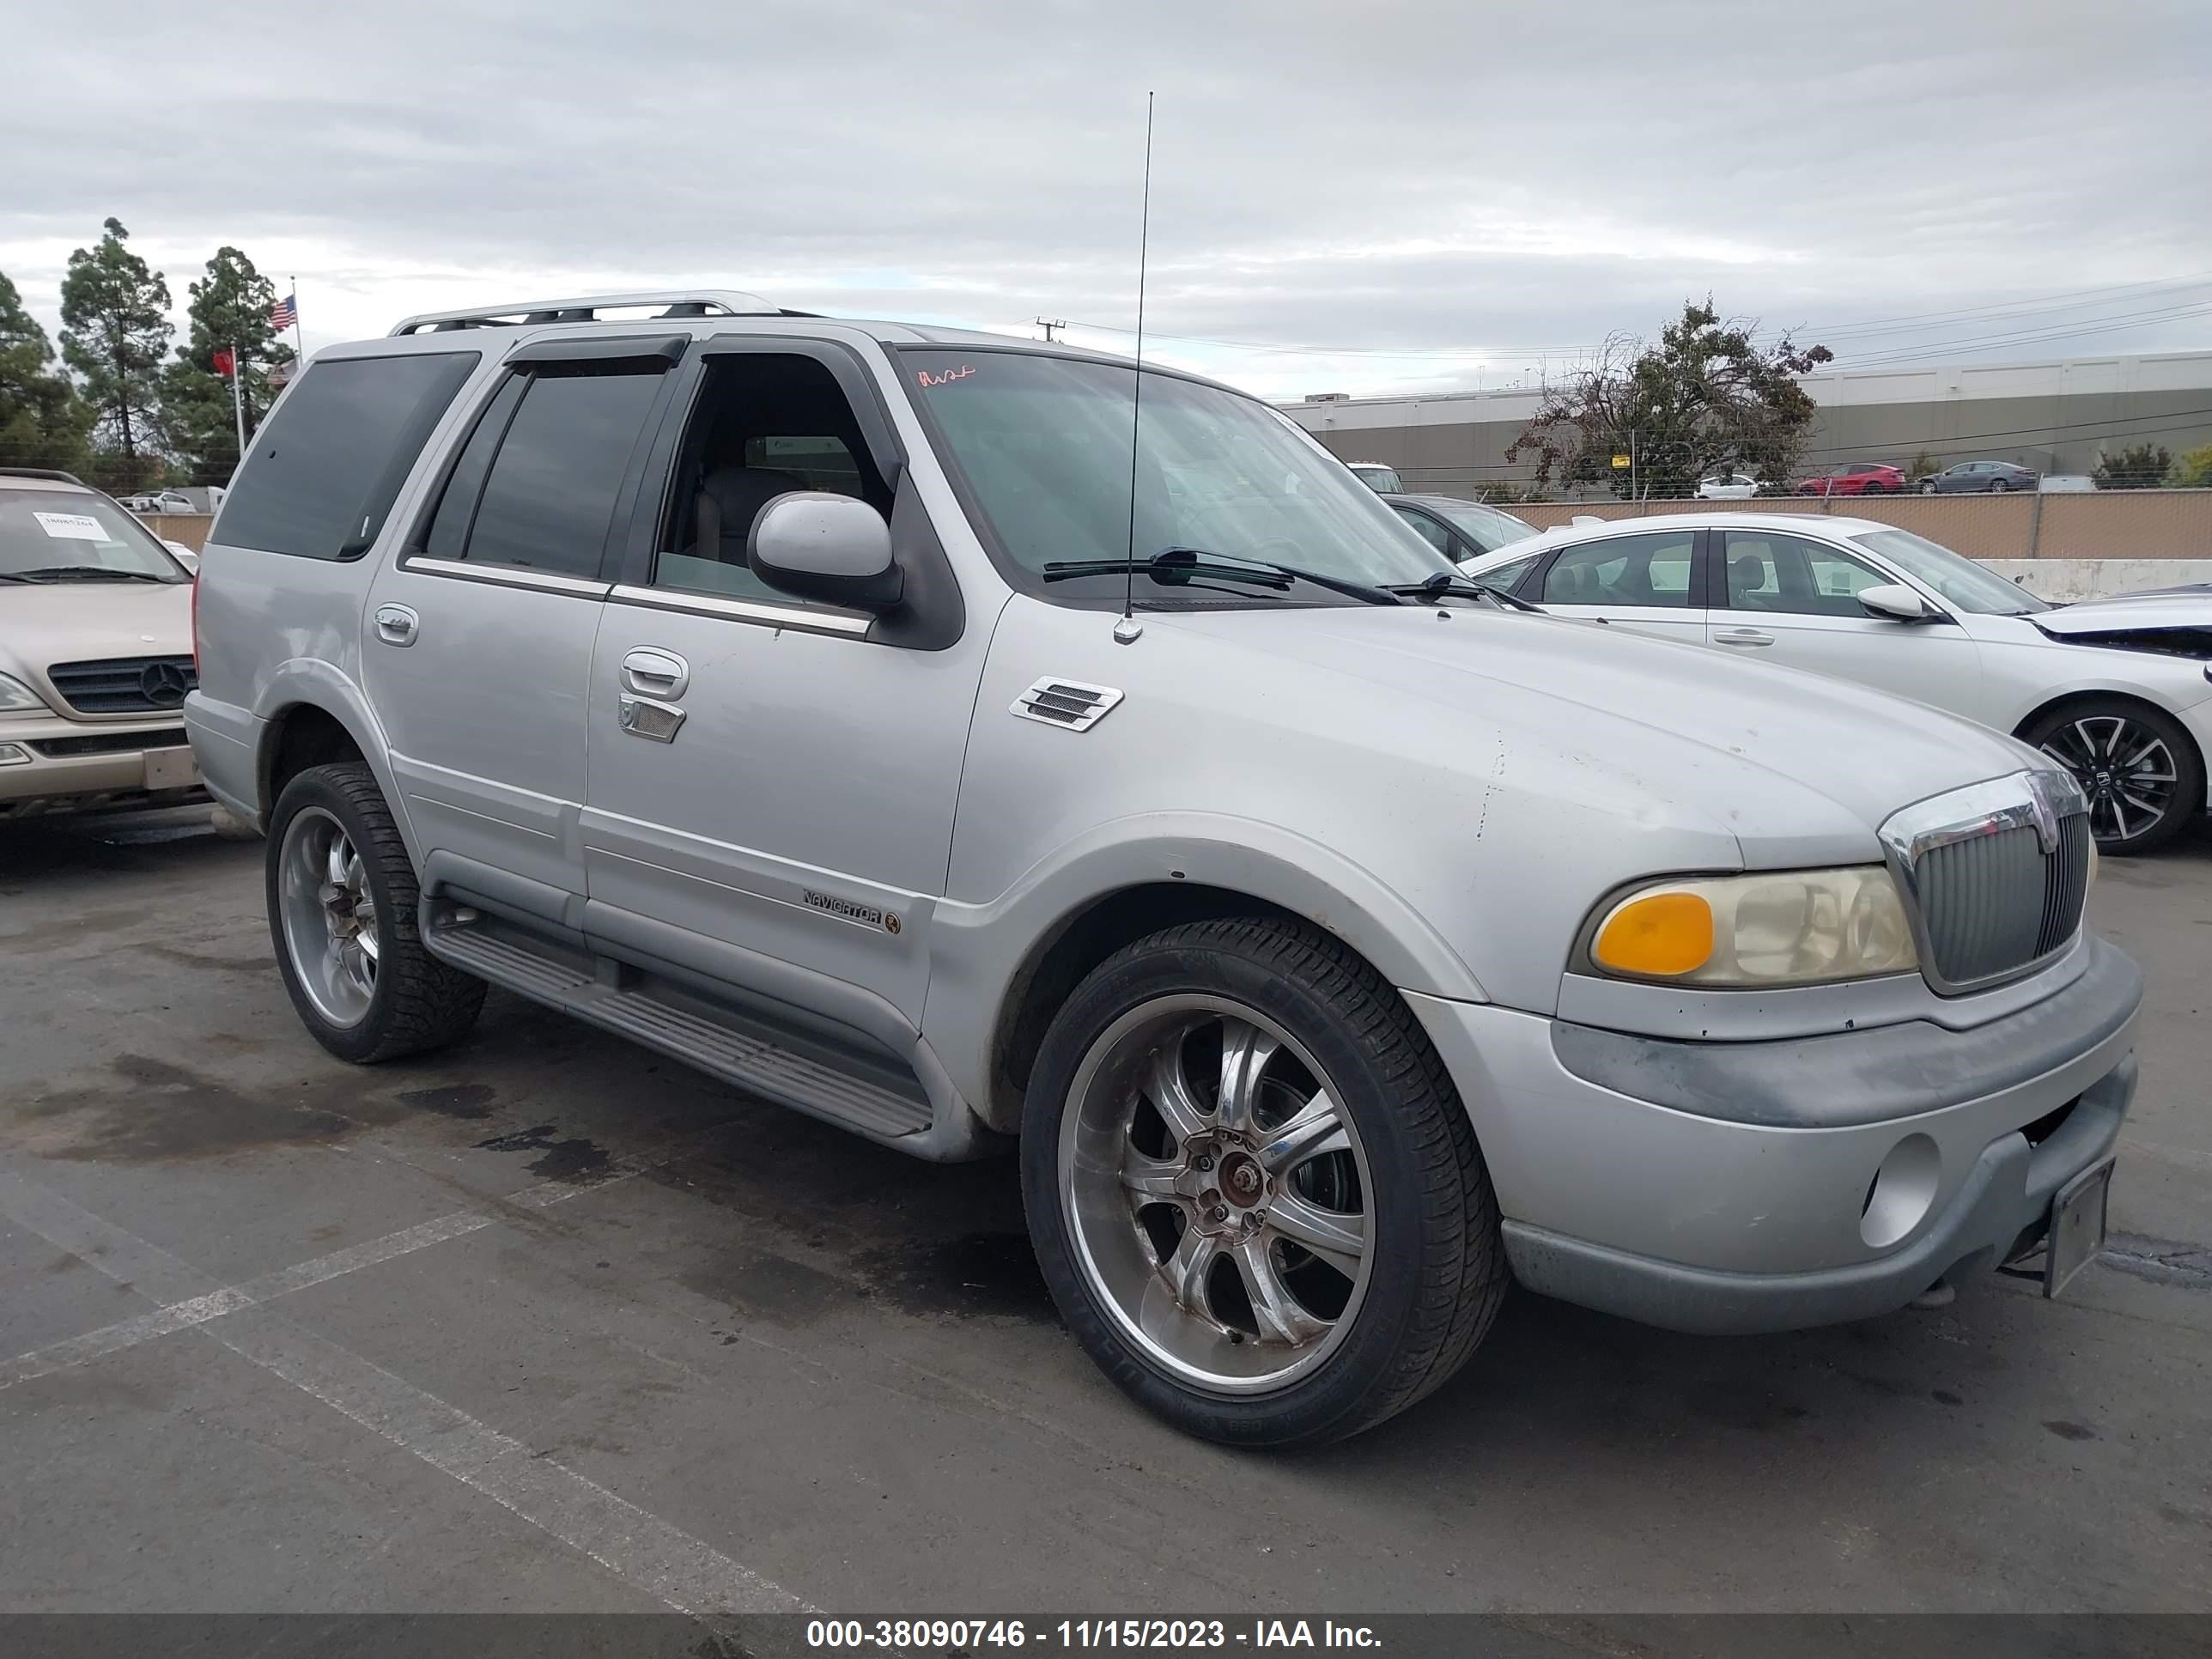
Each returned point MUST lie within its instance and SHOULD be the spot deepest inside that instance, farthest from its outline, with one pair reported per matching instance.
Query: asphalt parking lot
(546, 1323)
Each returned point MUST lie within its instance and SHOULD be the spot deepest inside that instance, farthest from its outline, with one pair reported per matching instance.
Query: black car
(1978, 477)
(1459, 530)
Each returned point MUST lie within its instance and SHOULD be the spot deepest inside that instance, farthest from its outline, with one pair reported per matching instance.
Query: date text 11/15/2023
(926, 1635)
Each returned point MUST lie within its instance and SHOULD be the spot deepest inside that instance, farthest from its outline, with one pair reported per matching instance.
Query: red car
(1860, 478)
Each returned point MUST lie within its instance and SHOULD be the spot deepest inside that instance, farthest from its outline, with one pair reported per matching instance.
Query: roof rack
(675, 302)
(43, 472)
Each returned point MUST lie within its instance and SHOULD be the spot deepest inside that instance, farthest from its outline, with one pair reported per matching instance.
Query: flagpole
(299, 334)
(238, 397)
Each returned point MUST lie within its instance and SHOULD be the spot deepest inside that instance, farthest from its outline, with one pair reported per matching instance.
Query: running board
(689, 1033)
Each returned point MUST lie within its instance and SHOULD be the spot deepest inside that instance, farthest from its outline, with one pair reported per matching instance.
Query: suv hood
(1790, 763)
(85, 621)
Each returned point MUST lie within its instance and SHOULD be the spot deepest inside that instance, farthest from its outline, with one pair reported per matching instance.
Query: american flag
(284, 313)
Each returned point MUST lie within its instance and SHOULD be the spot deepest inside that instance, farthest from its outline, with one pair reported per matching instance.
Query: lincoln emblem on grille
(2043, 800)
(164, 684)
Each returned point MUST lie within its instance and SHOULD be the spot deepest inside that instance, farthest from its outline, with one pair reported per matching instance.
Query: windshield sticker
(946, 378)
(70, 526)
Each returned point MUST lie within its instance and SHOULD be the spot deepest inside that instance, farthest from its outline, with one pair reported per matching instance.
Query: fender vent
(1070, 703)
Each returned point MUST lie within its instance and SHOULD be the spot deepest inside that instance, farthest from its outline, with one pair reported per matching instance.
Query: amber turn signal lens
(1660, 934)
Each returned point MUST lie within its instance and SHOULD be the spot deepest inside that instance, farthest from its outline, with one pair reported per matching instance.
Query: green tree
(1704, 399)
(115, 331)
(2139, 466)
(43, 421)
(229, 311)
(2192, 470)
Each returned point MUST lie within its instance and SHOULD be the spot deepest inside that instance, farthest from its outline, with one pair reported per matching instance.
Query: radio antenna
(1127, 631)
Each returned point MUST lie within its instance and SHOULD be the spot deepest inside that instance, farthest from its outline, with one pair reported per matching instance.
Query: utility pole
(1048, 324)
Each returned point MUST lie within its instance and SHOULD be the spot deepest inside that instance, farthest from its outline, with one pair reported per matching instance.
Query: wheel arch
(311, 715)
(2083, 694)
(1189, 883)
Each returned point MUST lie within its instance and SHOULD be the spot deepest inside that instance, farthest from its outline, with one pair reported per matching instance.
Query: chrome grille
(1995, 876)
(124, 685)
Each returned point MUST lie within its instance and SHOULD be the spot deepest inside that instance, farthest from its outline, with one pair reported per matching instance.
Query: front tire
(2144, 778)
(1998, 486)
(1929, 488)
(1252, 1187)
(343, 899)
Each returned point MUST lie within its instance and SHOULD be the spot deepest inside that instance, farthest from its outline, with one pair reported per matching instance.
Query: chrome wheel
(1218, 1194)
(2126, 769)
(329, 916)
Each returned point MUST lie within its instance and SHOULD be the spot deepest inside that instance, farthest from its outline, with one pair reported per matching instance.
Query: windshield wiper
(1176, 565)
(97, 573)
(1442, 585)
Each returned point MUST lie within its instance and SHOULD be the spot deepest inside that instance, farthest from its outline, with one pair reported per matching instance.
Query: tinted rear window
(325, 469)
(552, 486)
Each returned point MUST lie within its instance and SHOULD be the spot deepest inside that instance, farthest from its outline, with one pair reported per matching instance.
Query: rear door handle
(396, 624)
(1742, 637)
(649, 672)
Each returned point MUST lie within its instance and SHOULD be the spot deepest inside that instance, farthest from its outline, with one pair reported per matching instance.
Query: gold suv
(96, 654)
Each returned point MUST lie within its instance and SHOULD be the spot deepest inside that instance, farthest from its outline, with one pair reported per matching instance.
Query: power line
(2072, 298)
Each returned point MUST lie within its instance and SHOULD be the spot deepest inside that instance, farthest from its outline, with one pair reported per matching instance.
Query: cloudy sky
(1361, 197)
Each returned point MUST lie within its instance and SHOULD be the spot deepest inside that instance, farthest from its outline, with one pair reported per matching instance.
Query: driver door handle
(649, 672)
(1742, 637)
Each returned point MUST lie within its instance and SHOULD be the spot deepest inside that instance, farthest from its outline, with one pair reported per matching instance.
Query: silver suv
(1337, 943)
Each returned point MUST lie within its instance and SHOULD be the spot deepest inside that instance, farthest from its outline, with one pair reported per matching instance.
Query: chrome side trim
(2034, 801)
(744, 610)
(501, 575)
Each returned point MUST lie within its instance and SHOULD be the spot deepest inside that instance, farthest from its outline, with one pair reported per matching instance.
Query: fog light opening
(1904, 1190)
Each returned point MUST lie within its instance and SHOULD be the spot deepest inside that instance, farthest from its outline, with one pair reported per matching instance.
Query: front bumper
(74, 766)
(1725, 1187)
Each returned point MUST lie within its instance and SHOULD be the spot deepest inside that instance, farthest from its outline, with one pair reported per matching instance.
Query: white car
(1382, 479)
(2119, 691)
(1727, 487)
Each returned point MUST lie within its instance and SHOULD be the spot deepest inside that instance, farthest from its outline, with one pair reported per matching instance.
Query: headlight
(1788, 927)
(14, 694)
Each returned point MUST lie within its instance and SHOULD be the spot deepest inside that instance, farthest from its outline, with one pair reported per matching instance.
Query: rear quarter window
(326, 467)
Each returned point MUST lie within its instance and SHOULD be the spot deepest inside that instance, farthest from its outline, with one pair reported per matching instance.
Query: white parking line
(658, 1557)
(232, 1299)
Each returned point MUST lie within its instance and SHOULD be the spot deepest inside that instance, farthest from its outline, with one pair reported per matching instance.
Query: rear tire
(1208, 1098)
(1875, 487)
(343, 901)
(2144, 778)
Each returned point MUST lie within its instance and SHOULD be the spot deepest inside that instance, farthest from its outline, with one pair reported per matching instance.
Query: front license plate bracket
(2078, 1215)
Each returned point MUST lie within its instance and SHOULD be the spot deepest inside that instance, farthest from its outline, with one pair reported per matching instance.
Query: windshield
(43, 532)
(1969, 586)
(1486, 526)
(1043, 442)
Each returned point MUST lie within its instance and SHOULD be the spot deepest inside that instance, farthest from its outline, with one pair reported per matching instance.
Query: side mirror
(823, 546)
(1894, 602)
